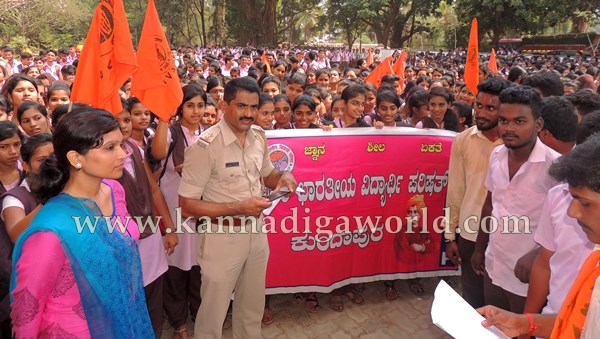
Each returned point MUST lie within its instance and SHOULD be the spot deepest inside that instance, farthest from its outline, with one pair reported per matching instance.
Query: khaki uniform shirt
(218, 169)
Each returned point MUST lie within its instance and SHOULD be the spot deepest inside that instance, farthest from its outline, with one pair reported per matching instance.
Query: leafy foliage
(393, 21)
(41, 24)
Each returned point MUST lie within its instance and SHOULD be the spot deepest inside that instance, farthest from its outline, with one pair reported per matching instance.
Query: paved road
(378, 318)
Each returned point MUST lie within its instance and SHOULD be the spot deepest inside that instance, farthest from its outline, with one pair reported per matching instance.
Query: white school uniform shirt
(184, 256)
(524, 195)
(152, 249)
(11, 201)
(244, 71)
(561, 234)
(14, 69)
(322, 63)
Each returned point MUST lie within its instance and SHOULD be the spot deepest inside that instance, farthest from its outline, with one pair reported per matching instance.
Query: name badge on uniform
(232, 164)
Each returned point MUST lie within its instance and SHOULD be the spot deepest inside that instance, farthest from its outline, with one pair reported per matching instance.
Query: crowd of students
(50, 145)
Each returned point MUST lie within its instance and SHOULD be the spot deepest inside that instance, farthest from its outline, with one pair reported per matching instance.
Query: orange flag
(492, 65)
(382, 69)
(264, 59)
(472, 66)
(156, 82)
(370, 57)
(399, 66)
(107, 59)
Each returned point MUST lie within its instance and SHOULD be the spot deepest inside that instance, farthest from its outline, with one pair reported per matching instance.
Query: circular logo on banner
(282, 157)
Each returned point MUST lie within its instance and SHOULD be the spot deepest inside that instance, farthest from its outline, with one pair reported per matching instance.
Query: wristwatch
(448, 240)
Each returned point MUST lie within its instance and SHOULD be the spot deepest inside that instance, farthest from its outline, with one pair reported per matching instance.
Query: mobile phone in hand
(277, 195)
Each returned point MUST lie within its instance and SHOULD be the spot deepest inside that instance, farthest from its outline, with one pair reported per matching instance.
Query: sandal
(181, 333)
(267, 318)
(309, 301)
(390, 290)
(336, 303)
(299, 298)
(415, 287)
(311, 304)
(355, 296)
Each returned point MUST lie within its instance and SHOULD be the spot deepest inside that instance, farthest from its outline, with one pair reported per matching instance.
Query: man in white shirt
(517, 184)
(11, 63)
(469, 159)
(322, 61)
(244, 65)
(26, 61)
(229, 64)
(564, 244)
(579, 316)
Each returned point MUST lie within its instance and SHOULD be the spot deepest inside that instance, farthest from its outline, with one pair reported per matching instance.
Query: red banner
(372, 207)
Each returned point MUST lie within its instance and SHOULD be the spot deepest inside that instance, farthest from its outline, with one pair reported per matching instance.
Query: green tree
(182, 21)
(34, 22)
(308, 24)
(298, 20)
(499, 18)
(393, 21)
(410, 20)
(579, 12)
(443, 26)
(252, 22)
(345, 18)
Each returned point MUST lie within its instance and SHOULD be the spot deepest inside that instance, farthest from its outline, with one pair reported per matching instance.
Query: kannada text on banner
(372, 203)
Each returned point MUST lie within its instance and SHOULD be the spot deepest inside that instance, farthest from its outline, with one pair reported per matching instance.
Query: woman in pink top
(73, 274)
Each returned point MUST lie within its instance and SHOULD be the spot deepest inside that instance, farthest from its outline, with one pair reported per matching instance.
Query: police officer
(224, 174)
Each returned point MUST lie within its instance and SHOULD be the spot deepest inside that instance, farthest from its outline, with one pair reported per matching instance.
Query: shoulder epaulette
(258, 128)
(259, 132)
(209, 135)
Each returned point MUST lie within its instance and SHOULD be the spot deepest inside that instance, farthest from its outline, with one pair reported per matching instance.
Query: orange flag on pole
(399, 66)
(492, 65)
(382, 69)
(472, 65)
(156, 82)
(107, 59)
(370, 57)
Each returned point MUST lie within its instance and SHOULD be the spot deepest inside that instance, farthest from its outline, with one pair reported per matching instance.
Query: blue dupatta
(106, 266)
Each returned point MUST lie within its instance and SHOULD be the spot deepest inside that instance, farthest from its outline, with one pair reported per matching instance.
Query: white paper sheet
(453, 314)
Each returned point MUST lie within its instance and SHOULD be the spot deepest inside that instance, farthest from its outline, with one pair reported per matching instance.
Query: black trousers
(472, 284)
(154, 302)
(499, 297)
(181, 294)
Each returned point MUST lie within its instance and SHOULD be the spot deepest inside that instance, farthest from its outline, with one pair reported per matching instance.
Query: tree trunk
(399, 37)
(380, 35)
(268, 37)
(200, 9)
(349, 37)
(250, 36)
(497, 33)
(203, 18)
(196, 21)
(187, 23)
(219, 21)
(389, 24)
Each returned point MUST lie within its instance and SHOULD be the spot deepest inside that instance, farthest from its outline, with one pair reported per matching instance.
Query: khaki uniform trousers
(232, 262)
